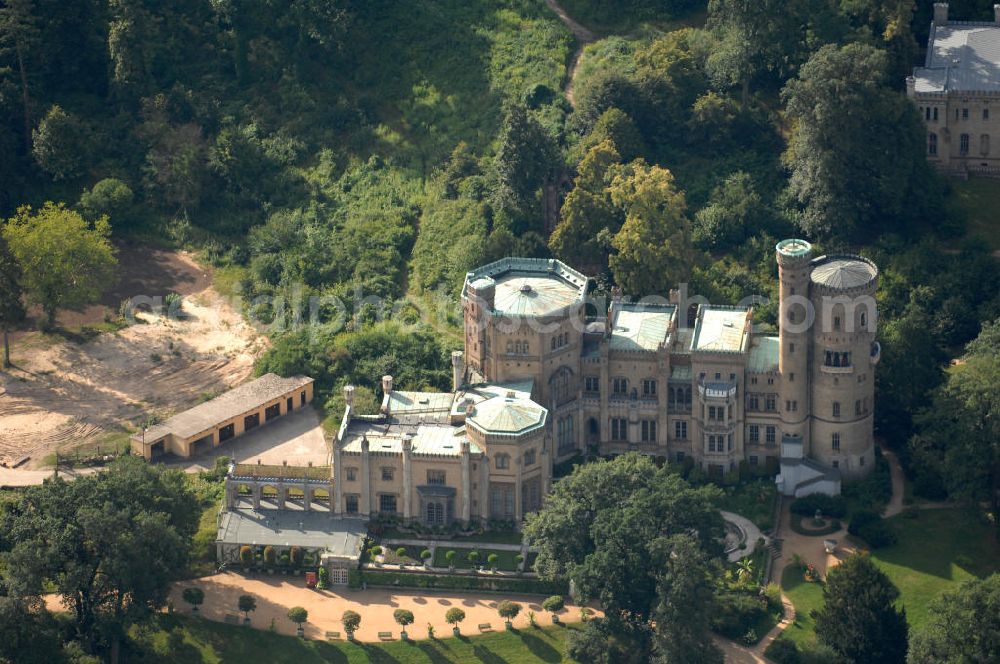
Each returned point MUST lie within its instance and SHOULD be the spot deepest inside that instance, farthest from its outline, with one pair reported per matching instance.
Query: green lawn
(936, 551)
(412, 556)
(979, 199)
(181, 639)
(505, 562)
(806, 597)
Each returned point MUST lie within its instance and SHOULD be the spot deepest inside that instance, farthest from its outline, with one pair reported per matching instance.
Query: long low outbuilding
(227, 416)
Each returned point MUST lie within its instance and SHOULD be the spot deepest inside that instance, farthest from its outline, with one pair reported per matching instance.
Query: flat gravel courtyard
(276, 594)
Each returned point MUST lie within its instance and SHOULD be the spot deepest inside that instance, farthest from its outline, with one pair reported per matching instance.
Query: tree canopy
(65, 262)
(963, 626)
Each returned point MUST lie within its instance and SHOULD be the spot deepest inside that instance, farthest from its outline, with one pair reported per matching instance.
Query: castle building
(957, 92)
(546, 374)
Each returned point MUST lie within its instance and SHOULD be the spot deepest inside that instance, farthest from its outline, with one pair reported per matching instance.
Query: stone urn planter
(555, 619)
(246, 622)
(402, 635)
(456, 631)
(300, 632)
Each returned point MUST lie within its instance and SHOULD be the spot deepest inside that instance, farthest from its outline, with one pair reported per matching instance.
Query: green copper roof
(764, 354)
(843, 271)
(641, 327)
(508, 415)
(528, 286)
(721, 329)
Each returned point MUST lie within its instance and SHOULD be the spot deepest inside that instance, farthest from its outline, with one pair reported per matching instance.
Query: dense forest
(375, 151)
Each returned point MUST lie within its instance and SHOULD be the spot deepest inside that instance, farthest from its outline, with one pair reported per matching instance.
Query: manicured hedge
(462, 582)
(834, 506)
(796, 524)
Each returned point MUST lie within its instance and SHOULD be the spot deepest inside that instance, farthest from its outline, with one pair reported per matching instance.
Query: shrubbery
(738, 613)
(870, 527)
(464, 582)
(783, 651)
(835, 506)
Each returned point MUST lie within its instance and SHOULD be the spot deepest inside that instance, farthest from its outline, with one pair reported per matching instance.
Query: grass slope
(979, 200)
(185, 640)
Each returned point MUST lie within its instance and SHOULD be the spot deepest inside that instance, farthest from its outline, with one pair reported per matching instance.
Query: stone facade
(957, 92)
(546, 374)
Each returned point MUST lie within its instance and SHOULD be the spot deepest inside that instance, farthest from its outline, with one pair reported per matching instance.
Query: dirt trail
(583, 36)
(63, 394)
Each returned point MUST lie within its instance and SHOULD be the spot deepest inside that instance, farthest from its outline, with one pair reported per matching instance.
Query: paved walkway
(276, 594)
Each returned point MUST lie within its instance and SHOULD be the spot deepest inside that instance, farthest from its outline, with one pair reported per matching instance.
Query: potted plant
(323, 579)
(295, 556)
(430, 631)
(454, 616)
(554, 605)
(492, 560)
(519, 563)
(246, 556)
(425, 555)
(450, 557)
(404, 618)
(401, 554)
(270, 557)
(375, 551)
(298, 615)
(351, 621)
(508, 610)
(473, 557)
(193, 596)
(247, 604)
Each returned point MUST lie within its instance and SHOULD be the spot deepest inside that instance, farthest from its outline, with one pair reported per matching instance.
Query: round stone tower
(844, 355)
(794, 332)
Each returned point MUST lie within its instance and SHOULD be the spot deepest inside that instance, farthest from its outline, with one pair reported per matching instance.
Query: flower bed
(832, 526)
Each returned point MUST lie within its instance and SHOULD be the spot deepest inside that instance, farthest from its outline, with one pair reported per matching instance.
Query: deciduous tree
(65, 262)
(963, 626)
(11, 308)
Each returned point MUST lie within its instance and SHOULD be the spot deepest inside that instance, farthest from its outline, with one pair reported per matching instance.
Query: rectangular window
(935, 114)
(754, 433)
(352, 474)
(753, 401)
(679, 457)
(753, 460)
(649, 388)
(857, 407)
(963, 144)
(927, 113)
(932, 144)
(649, 431)
(965, 114)
(984, 144)
(680, 430)
(836, 409)
(387, 503)
(436, 477)
(791, 348)
(351, 504)
(770, 403)
(619, 428)
(771, 435)
(592, 384)
(986, 114)
(619, 386)
(387, 473)
(835, 442)
(529, 458)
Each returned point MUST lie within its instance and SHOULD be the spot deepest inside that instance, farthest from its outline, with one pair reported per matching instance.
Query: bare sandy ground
(63, 394)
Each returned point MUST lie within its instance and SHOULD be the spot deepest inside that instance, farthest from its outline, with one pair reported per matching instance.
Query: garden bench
(385, 636)
(332, 636)
(485, 627)
(230, 619)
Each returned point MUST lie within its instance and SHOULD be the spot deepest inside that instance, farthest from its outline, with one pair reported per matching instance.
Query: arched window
(864, 320)
(553, 343)
(932, 143)
(559, 385)
(963, 144)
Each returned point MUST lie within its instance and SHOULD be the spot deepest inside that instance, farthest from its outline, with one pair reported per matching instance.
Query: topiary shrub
(351, 621)
(508, 610)
(295, 556)
(246, 555)
(270, 555)
(454, 616)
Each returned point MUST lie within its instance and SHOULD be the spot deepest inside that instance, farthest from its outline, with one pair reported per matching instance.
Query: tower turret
(794, 323)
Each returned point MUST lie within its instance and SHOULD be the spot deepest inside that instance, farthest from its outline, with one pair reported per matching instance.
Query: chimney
(387, 385)
(457, 369)
(911, 86)
(407, 442)
(940, 13)
(349, 395)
